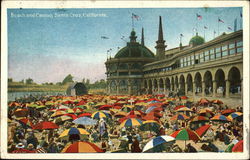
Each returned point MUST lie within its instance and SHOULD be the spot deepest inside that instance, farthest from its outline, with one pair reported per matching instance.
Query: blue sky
(47, 49)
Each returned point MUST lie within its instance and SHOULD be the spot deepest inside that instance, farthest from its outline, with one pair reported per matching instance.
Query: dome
(196, 40)
(134, 50)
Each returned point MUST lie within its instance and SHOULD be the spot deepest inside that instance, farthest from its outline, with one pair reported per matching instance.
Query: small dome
(133, 33)
(196, 40)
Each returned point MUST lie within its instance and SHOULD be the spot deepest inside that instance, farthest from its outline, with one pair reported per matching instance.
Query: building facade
(213, 68)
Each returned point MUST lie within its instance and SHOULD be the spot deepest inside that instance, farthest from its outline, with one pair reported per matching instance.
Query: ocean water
(13, 95)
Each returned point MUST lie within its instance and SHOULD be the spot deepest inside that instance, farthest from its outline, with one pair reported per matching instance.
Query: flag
(135, 16)
(199, 17)
(219, 20)
(229, 28)
(235, 24)
(104, 37)
(181, 35)
(205, 27)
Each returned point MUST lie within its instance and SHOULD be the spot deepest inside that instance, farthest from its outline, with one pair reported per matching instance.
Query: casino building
(213, 68)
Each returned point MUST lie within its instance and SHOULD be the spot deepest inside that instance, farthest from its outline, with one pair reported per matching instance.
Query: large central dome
(134, 49)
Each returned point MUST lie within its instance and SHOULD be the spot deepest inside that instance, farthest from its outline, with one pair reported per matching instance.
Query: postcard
(125, 80)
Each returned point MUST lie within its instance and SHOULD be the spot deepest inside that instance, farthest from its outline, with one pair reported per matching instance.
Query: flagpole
(204, 33)
(132, 22)
(218, 25)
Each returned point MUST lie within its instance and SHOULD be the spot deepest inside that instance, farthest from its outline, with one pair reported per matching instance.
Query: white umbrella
(156, 144)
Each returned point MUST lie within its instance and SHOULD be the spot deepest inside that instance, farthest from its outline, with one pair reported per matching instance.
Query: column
(186, 88)
(203, 88)
(164, 86)
(129, 87)
(158, 85)
(227, 88)
(214, 88)
(117, 88)
(194, 88)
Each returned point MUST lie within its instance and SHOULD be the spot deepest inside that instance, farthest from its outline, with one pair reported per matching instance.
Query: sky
(48, 44)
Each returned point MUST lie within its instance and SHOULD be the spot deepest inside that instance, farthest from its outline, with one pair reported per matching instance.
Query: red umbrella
(117, 107)
(203, 101)
(150, 116)
(184, 97)
(238, 147)
(217, 101)
(227, 111)
(81, 103)
(178, 107)
(85, 115)
(154, 104)
(46, 125)
(68, 102)
(105, 107)
(82, 147)
(27, 122)
(202, 130)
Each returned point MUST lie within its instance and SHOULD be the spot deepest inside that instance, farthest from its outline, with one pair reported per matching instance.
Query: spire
(160, 43)
(142, 37)
(160, 35)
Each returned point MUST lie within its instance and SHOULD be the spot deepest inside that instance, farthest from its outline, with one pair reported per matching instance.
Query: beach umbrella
(235, 115)
(120, 114)
(105, 107)
(150, 109)
(45, 125)
(220, 118)
(73, 131)
(63, 107)
(68, 102)
(13, 104)
(178, 107)
(206, 112)
(158, 144)
(131, 122)
(179, 117)
(217, 101)
(184, 97)
(238, 147)
(84, 115)
(21, 112)
(154, 105)
(199, 118)
(70, 110)
(127, 108)
(73, 116)
(82, 147)
(228, 111)
(62, 119)
(202, 130)
(134, 113)
(58, 113)
(203, 101)
(99, 115)
(185, 134)
(150, 125)
(229, 147)
(26, 122)
(184, 109)
(85, 121)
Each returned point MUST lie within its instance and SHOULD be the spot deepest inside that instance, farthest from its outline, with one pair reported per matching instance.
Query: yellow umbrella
(73, 130)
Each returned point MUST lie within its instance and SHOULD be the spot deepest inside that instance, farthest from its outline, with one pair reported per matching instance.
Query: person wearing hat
(31, 148)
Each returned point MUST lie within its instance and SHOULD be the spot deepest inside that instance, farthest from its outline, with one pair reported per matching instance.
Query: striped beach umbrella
(235, 115)
(82, 147)
(220, 118)
(185, 134)
(158, 144)
(62, 119)
(73, 130)
(131, 122)
(199, 118)
(99, 115)
(238, 147)
(184, 109)
(84, 115)
(179, 117)
(58, 113)
(150, 125)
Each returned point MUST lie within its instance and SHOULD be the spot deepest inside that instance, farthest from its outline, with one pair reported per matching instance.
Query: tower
(160, 43)
(142, 37)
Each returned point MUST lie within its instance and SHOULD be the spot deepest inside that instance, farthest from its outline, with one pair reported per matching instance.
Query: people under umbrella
(128, 124)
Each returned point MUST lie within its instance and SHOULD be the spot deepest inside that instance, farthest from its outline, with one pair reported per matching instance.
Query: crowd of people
(122, 123)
